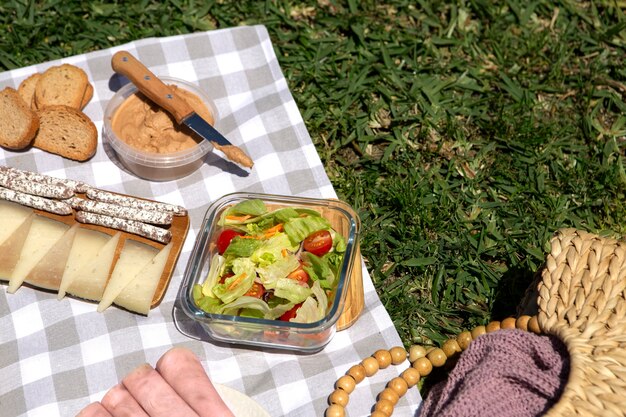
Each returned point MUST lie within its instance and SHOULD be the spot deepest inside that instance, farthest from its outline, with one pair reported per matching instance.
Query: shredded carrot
(273, 230)
(239, 218)
(237, 281)
(284, 252)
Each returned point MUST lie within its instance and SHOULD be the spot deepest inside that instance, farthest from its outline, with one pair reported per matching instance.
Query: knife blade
(164, 96)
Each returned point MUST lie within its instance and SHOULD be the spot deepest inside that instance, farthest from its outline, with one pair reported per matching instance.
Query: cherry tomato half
(223, 240)
(299, 275)
(257, 290)
(318, 243)
(291, 313)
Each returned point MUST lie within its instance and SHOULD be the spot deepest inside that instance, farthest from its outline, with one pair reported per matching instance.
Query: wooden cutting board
(178, 228)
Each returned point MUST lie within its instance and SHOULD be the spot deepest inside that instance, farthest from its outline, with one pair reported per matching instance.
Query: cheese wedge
(12, 215)
(43, 234)
(11, 248)
(90, 280)
(138, 294)
(87, 244)
(133, 258)
(49, 271)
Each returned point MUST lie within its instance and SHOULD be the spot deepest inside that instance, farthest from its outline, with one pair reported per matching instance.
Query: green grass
(464, 132)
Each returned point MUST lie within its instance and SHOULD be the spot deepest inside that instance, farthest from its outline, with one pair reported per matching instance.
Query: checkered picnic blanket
(57, 356)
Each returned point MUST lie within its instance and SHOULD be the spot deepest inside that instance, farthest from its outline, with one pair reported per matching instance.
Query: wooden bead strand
(422, 361)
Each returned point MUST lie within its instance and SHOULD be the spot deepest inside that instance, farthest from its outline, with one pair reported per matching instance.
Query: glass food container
(275, 334)
(151, 165)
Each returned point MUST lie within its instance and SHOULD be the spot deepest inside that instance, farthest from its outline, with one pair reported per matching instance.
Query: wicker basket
(581, 300)
(579, 296)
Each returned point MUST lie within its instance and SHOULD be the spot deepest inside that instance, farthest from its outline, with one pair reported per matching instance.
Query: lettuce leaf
(319, 269)
(215, 270)
(314, 307)
(237, 285)
(271, 250)
(242, 248)
(298, 228)
(292, 290)
(253, 207)
(271, 273)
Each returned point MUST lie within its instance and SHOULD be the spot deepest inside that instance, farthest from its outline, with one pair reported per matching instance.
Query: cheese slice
(90, 280)
(43, 234)
(133, 258)
(138, 294)
(11, 248)
(12, 215)
(49, 271)
(87, 244)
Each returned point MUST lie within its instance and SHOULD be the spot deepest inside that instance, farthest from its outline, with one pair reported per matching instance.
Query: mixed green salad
(274, 264)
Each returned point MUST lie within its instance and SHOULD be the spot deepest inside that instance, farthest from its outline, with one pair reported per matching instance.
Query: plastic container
(274, 334)
(156, 166)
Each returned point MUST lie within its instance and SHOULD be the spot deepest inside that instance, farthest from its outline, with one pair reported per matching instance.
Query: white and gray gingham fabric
(57, 356)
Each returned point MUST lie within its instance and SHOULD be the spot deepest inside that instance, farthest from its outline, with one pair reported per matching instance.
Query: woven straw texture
(581, 300)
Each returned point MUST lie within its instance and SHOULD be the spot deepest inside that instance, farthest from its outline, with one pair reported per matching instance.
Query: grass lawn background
(465, 133)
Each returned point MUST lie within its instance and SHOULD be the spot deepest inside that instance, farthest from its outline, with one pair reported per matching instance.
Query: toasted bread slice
(87, 96)
(18, 123)
(27, 88)
(67, 132)
(61, 85)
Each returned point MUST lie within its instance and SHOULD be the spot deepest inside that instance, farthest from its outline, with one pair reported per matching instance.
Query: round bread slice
(62, 84)
(18, 123)
(66, 131)
(27, 89)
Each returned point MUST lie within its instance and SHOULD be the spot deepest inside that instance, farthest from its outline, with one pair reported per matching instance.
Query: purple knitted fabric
(508, 373)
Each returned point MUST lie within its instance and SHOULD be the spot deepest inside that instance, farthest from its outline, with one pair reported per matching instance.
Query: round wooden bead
(399, 385)
(533, 325)
(478, 331)
(384, 406)
(451, 347)
(522, 322)
(383, 357)
(370, 365)
(423, 365)
(346, 383)
(411, 376)
(398, 355)
(389, 395)
(508, 323)
(492, 327)
(416, 352)
(377, 413)
(437, 357)
(357, 372)
(464, 339)
(335, 410)
(339, 397)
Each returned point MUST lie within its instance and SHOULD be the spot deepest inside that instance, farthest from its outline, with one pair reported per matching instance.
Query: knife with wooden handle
(164, 96)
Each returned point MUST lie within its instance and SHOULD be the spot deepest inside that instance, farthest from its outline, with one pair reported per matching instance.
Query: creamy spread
(147, 127)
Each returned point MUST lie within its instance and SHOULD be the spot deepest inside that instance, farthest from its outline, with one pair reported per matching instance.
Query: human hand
(178, 387)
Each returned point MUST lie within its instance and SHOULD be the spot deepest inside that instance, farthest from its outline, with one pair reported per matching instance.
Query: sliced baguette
(18, 123)
(27, 89)
(61, 85)
(67, 132)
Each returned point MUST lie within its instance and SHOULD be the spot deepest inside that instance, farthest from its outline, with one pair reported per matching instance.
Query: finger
(184, 372)
(119, 403)
(154, 394)
(94, 410)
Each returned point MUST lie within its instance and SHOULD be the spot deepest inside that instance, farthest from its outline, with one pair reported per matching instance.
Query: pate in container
(148, 141)
(259, 327)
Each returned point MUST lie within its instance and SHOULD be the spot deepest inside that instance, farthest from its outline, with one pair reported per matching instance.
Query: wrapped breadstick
(138, 228)
(76, 186)
(108, 197)
(122, 212)
(36, 202)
